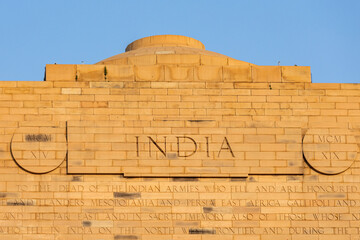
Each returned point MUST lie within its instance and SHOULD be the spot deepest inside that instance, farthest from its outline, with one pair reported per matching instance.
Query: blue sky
(323, 34)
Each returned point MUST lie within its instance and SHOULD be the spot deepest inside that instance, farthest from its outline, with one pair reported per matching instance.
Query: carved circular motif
(39, 149)
(330, 151)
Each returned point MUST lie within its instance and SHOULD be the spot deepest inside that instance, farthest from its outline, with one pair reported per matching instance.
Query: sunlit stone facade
(171, 141)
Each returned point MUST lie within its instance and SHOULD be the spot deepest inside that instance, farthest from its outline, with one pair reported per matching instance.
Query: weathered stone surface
(330, 151)
(171, 141)
(39, 149)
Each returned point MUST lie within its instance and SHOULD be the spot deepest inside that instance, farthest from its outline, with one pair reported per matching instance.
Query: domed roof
(163, 45)
(174, 58)
(164, 41)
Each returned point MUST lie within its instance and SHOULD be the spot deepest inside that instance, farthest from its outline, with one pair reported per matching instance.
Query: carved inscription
(39, 149)
(38, 137)
(106, 148)
(329, 151)
(249, 205)
(124, 232)
(192, 146)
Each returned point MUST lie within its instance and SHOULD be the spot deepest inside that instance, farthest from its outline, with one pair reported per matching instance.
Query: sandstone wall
(179, 147)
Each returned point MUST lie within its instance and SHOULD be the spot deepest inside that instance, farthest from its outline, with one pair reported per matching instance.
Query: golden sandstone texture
(171, 141)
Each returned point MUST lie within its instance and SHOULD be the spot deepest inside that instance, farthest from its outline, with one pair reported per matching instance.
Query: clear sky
(323, 34)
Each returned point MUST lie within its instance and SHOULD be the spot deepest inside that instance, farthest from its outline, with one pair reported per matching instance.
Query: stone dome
(144, 51)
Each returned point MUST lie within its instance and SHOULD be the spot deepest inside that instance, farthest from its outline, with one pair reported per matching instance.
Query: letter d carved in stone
(188, 151)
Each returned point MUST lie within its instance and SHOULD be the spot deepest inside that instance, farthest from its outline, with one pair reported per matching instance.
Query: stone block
(142, 60)
(209, 73)
(241, 73)
(178, 59)
(71, 91)
(149, 73)
(178, 73)
(268, 74)
(60, 72)
(213, 60)
(296, 74)
(118, 73)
